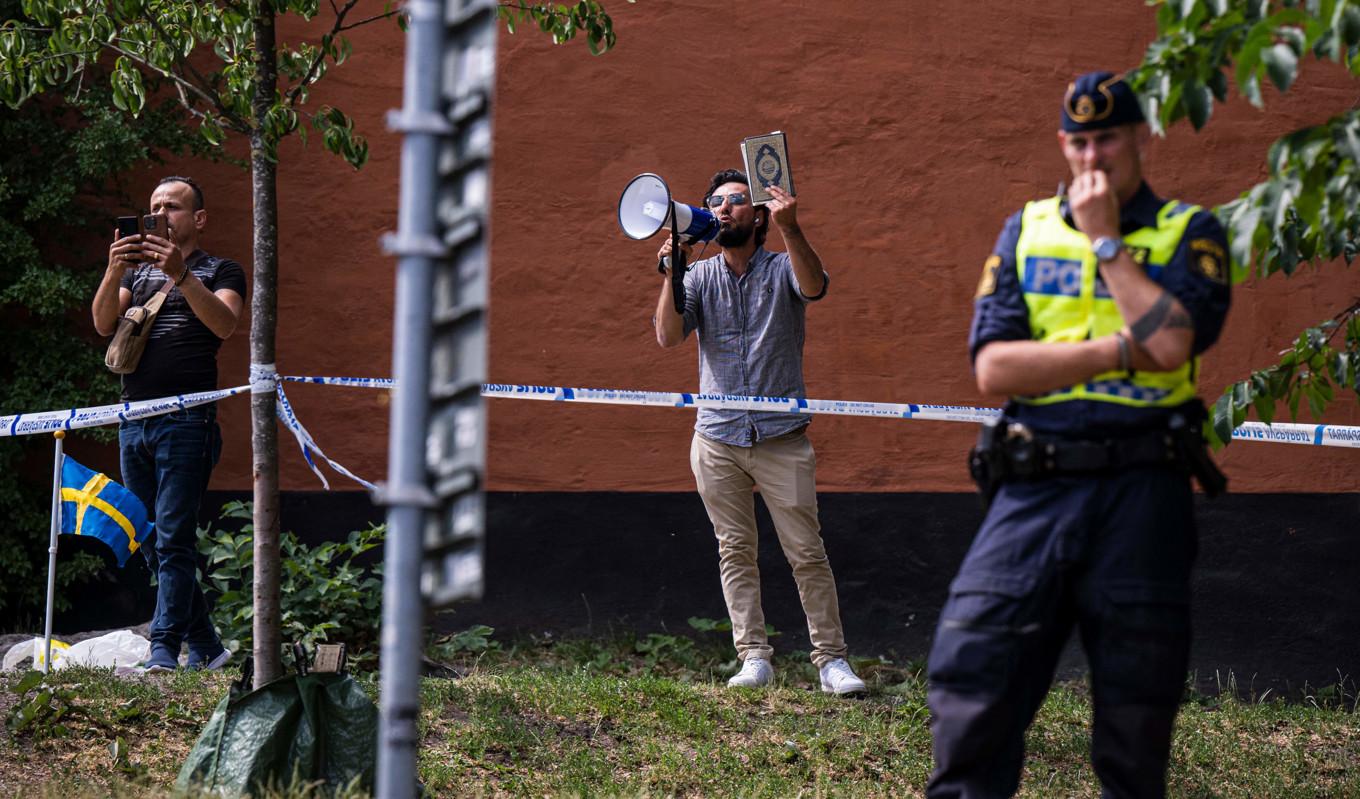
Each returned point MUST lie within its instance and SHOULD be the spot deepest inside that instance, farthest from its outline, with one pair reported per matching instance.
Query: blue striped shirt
(751, 331)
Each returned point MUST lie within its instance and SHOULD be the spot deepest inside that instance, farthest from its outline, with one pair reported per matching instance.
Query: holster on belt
(1007, 450)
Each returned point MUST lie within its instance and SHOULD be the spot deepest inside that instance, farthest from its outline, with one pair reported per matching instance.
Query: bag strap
(155, 301)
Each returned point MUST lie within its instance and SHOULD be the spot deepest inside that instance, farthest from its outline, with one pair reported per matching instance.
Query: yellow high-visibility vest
(1058, 274)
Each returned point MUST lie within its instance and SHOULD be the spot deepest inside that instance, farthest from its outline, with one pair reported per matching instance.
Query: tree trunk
(263, 322)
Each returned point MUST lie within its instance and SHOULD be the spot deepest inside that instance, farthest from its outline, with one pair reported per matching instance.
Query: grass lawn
(651, 717)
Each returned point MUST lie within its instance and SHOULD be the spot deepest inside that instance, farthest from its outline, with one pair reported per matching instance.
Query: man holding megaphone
(748, 306)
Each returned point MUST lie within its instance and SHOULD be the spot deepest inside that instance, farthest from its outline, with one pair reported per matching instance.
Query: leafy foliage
(1308, 210)
(60, 187)
(1312, 369)
(564, 21)
(326, 595)
(41, 706)
(474, 641)
(206, 53)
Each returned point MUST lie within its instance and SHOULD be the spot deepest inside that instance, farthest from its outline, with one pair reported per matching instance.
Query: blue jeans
(166, 462)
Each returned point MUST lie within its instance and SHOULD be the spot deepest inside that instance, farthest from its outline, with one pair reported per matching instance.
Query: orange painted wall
(914, 130)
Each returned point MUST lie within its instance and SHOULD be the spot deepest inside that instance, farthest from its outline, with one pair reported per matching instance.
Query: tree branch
(183, 86)
(182, 61)
(1341, 320)
(340, 13)
(394, 12)
(76, 53)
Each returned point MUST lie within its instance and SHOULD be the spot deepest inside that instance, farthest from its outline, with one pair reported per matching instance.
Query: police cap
(1099, 100)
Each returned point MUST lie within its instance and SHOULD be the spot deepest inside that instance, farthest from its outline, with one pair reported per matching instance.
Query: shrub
(324, 593)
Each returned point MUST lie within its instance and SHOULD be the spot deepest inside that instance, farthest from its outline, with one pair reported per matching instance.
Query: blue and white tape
(352, 382)
(308, 445)
(1281, 432)
(27, 424)
(613, 396)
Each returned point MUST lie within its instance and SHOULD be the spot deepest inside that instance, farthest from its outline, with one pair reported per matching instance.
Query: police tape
(613, 396)
(1321, 435)
(77, 418)
(309, 446)
(27, 424)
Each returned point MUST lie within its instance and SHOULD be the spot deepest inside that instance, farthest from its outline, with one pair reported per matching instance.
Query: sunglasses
(736, 198)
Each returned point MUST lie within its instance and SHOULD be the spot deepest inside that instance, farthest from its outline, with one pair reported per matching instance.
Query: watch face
(1106, 249)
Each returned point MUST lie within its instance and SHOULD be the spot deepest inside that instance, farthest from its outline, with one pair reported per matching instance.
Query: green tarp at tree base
(314, 728)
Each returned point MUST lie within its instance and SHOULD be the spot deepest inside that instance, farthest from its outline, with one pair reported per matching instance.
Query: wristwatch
(1106, 248)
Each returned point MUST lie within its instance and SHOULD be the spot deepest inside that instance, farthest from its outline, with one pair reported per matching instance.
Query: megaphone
(646, 206)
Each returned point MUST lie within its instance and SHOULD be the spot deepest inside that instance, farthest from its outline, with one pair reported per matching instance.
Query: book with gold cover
(767, 163)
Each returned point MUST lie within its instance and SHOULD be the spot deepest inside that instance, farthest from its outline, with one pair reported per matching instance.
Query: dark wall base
(1275, 597)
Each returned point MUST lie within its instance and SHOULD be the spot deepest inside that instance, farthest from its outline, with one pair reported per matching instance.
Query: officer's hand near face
(1095, 208)
(783, 209)
(124, 252)
(665, 252)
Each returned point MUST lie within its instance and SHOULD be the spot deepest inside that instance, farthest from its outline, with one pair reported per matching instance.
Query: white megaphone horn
(646, 206)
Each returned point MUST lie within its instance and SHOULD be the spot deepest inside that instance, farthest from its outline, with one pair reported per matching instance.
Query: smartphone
(156, 225)
(128, 226)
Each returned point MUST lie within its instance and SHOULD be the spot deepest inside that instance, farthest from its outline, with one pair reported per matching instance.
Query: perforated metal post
(457, 434)
(436, 448)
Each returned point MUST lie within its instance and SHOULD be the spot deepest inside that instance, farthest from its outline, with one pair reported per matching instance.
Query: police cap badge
(1099, 100)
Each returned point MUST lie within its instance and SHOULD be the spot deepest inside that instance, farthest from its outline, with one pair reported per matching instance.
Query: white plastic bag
(118, 648)
(32, 652)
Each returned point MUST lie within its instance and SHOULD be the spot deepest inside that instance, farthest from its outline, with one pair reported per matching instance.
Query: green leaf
(1265, 407)
(30, 680)
(1316, 403)
(1281, 65)
(1348, 26)
(1222, 416)
(1218, 84)
(1199, 103)
(1251, 89)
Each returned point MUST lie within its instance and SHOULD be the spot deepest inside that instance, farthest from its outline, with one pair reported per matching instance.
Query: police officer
(1091, 315)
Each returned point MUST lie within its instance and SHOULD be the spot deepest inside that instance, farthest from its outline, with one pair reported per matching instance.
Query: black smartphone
(128, 226)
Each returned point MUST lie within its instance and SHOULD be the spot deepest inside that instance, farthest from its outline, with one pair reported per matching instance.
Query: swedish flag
(94, 505)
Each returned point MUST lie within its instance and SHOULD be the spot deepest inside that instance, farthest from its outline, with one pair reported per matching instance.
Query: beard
(733, 236)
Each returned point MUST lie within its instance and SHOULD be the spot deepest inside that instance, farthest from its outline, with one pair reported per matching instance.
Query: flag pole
(52, 551)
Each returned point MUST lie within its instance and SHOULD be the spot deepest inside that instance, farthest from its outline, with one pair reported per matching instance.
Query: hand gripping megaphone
(645, 207)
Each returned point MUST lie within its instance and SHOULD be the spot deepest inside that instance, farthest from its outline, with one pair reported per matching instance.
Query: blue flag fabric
(94, 505)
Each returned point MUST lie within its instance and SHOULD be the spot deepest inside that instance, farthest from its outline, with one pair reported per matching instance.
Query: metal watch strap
(1107, 248)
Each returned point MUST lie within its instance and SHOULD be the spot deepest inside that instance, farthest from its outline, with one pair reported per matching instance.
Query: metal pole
(407, 495)
(52, 550)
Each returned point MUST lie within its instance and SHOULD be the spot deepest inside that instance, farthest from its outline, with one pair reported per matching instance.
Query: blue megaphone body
(646, 206)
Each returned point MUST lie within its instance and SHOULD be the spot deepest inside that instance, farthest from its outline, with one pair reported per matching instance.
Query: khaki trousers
(784, 468)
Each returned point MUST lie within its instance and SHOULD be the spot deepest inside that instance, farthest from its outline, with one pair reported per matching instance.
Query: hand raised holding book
(783, 209)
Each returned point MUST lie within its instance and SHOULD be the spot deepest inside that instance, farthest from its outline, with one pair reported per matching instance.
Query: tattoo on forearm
(1180, 319)
(1154, 319)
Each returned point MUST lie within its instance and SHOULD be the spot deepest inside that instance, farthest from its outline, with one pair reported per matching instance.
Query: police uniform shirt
(1201, 285)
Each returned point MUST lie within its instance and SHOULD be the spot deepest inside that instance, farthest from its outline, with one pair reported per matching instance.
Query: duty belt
(1008, 450)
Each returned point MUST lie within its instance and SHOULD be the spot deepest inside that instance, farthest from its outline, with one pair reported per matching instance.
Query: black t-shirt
(181, 352)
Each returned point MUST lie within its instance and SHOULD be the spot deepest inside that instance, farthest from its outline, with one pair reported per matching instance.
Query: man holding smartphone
(166, 460)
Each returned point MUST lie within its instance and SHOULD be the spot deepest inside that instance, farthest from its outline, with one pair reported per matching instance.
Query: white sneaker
(755, 672)
(839, 679)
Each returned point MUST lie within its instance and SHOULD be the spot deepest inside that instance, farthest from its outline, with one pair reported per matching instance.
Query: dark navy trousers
(166, 461)
(1110, 555)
